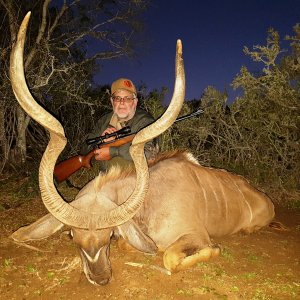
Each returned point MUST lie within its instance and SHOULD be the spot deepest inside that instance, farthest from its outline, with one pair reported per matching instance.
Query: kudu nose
(102, 281)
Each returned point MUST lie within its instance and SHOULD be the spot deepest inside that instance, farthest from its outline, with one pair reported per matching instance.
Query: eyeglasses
(125, 99)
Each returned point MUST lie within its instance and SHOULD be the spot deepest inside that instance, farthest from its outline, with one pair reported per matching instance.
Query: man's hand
(102, 154)
(109, 130)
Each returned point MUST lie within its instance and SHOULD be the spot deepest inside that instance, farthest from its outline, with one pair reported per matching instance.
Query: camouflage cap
(123, 84)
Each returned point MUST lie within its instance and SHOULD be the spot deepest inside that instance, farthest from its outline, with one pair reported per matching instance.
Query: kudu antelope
(185, 205)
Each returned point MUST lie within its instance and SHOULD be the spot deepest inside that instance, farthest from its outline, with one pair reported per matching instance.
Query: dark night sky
(213, 34)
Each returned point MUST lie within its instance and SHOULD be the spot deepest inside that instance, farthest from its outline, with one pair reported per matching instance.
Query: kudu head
(92, 217)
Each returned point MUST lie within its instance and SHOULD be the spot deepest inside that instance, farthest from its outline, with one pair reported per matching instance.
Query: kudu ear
(132, 234)
(41, 229)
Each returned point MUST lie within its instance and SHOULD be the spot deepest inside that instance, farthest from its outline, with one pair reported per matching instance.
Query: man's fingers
(109, 130)
(102, 154)
(97, 154)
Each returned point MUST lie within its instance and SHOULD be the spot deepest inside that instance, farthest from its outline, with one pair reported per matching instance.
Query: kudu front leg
(187, 251)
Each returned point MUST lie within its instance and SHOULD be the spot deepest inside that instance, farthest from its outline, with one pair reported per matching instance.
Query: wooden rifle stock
(66, 168)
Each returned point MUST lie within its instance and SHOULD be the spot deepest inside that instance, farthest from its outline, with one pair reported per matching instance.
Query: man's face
(126, 106)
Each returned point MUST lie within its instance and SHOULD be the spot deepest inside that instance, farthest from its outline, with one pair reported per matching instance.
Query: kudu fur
(186, 204)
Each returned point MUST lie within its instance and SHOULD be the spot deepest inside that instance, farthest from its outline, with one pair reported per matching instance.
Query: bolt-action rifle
(66, 168)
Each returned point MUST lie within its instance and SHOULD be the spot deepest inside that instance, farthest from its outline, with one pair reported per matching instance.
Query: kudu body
(186, 204)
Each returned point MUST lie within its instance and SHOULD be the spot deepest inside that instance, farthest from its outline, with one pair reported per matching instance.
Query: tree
(258, 134)
(268, 111)
(59, 63)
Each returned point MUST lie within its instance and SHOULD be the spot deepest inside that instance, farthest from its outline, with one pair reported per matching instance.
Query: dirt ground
(263, 265)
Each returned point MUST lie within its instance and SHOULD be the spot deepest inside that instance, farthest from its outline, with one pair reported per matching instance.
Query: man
(125, 113)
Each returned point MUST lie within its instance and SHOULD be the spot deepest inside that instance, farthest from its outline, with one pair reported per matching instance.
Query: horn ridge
(61, 210)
